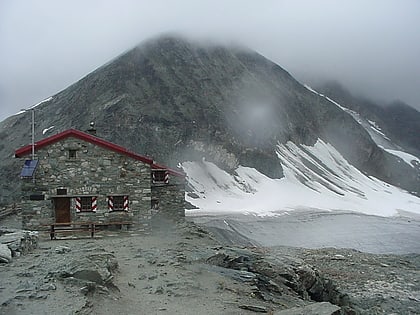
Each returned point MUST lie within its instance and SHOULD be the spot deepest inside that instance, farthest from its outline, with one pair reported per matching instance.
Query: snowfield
(315, 177)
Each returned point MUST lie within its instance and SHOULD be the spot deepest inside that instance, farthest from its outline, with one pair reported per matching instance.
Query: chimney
(92, 129)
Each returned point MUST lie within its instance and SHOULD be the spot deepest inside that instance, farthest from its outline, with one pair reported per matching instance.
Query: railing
(71, 227)
(75, 227)
(6, 211)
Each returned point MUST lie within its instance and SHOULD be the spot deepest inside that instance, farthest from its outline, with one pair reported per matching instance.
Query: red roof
(95, 140)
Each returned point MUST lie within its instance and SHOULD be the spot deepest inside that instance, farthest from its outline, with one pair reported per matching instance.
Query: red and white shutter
(125, 203)
(78, 201)
(110, 203)
(166, 177)
(94, 203)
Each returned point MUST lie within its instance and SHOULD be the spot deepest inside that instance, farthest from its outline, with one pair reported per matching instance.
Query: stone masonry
(169, 199)
(73, 168)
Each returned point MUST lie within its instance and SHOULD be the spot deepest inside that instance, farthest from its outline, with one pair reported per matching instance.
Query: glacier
(315, 177)
(322, 200)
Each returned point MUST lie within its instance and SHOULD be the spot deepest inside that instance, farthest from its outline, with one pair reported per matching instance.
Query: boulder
(97, 268)
(323, 308)
(19, 241)
(5, 254)
(254, 308)
(274, 278)
(62, 249)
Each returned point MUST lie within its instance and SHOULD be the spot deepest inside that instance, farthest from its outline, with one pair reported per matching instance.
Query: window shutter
(94, 203)
(125, 203)
(166, 177)
(110, 203)
(78, 202)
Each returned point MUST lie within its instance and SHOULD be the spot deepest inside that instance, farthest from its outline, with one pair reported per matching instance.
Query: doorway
(62, 210)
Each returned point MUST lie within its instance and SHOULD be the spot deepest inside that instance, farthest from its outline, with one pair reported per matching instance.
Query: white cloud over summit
(370, 46)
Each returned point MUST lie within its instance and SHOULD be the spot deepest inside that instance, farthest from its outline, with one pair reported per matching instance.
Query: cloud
(372, 47)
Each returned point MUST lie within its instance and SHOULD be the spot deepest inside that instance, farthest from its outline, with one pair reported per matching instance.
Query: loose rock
(254, 308)
(62, 249)
(5, 254)
(323, 308)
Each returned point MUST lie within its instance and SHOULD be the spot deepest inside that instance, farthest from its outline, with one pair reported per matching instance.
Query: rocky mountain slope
(176, 100)
(397, 120)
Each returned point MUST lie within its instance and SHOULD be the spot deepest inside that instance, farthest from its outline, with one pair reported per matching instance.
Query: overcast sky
(372, 47)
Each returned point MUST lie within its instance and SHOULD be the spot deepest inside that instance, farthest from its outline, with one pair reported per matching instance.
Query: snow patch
(32, 107)
(316, 177)
(44, 101)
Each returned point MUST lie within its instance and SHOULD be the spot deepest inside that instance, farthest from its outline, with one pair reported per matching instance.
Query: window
(160, 176)
(72, 154)
(118, 203)
(155, 204)
(86, 204)
(61, 191)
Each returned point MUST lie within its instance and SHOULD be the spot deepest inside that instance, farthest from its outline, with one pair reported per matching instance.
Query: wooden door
(62, 210)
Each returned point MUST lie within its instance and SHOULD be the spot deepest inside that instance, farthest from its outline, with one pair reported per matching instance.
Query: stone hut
(77, 177)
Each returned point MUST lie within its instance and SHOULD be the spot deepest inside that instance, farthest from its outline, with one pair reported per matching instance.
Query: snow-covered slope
(316, 177)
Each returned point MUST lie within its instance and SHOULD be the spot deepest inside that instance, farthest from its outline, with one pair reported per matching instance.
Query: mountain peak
(177, 99)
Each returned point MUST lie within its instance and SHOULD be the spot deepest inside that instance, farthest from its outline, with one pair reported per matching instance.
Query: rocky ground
(181, 268)
(373, 283)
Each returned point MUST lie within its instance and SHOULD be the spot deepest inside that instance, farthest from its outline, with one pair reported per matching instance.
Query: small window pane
(118, 203)
(86, 203)
(155, 204)
(72, 154)
(159, 176)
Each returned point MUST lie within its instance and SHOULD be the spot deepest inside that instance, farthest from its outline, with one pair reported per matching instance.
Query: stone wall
(169, 199)
(95, 171)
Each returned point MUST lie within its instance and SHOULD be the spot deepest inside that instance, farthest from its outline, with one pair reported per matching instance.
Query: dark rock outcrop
(399, 121)
(274, 279)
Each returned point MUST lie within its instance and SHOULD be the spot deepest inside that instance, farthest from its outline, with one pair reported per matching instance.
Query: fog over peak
(371, 47)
